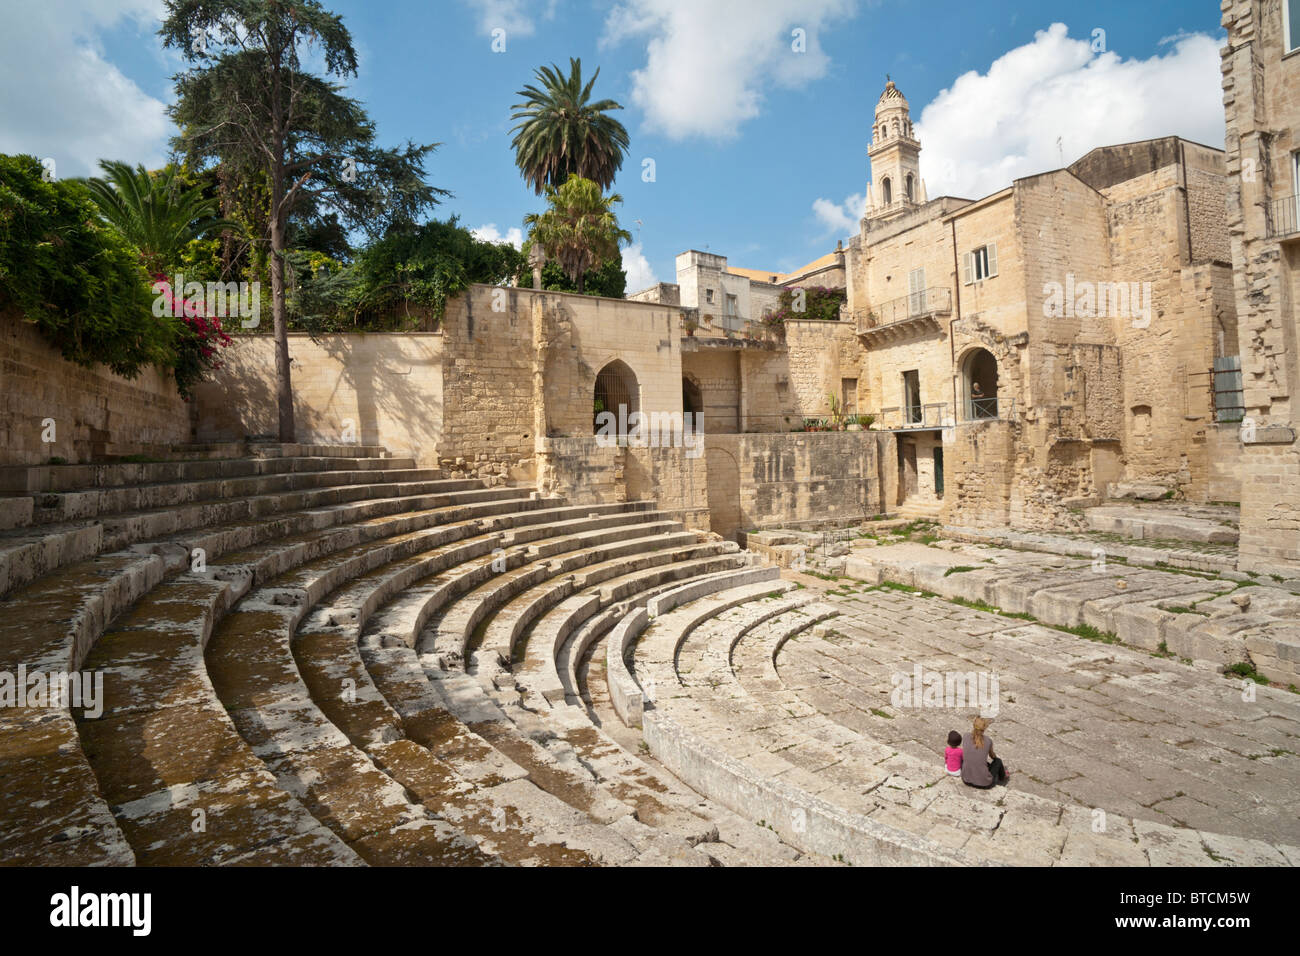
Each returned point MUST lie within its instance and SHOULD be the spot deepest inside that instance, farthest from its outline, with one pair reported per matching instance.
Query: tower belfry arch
(895, 154)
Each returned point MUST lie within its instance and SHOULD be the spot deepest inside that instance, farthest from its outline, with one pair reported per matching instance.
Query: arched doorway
(979, 376)
(616, 394)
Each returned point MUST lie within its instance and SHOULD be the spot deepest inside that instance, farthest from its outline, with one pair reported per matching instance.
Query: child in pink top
(952, 754)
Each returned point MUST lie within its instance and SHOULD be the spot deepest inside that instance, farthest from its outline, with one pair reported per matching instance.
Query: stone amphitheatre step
(38, 479)
(547, 624)
(255, 675)
(53, 624)
(184, 787)
(619, 597)
(764, 750)
(571, 782)
(464, 628)
(1210, 525)
(736, 587)
(1220, 559)
(84, 504)
(1190, 615)
(28, 553)
(366, 725)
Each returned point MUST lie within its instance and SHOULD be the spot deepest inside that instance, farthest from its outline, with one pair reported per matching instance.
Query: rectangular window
(981, 263)
(733, 307)
(708, 296)
(1291, 23)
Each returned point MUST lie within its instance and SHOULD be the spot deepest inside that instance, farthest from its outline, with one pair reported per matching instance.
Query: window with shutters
(1291, 23)
(916, 292)
(981, 263)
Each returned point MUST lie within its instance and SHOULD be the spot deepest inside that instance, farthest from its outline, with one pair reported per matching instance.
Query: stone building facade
(1052, 342)
(1261, 96)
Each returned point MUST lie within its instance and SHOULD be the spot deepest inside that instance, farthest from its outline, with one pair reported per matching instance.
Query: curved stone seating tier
(722, 720)
(737, 587)
(343, 558)
(478, 624)
(549, 620)
(28, 553)
(322, 656)
(403, 619)
(51, 625)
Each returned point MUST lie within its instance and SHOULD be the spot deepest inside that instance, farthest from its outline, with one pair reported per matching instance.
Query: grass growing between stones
(991, 609)
(1247, 670)
(959, 569)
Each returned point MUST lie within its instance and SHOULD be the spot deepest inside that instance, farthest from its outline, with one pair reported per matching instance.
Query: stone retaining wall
(95, 413)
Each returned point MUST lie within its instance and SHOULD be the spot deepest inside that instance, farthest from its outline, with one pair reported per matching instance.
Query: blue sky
(759, 150)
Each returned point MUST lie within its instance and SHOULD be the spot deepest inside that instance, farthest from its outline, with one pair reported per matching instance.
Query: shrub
(75, 278)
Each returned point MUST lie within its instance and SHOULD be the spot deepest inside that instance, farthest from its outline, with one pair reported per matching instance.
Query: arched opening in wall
(1141, 425)
(692, 396)
(886, 191)
(616, 395)
(911, 189)
(979, 375)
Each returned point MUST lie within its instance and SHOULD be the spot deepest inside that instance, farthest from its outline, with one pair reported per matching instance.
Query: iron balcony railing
(1281, 217)
(902, 417)
(989, 409)
(927, 302)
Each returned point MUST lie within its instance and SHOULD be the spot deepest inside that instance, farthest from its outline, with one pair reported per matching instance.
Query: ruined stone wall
(676, 478)
(978, 465)
(488, 370)
(580, 335)
(821, 355)
(716, 372)
(774, 479)
(374, 389)
(95, 412)
(1261, 99)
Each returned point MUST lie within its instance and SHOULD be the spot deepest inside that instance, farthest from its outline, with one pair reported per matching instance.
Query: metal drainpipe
(952, 343)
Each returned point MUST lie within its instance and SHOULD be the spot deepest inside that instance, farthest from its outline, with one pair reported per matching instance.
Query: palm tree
(561, 132)
(579, 229)
(157, 213)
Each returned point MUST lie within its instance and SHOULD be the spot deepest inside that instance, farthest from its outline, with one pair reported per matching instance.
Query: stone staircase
(918, 509)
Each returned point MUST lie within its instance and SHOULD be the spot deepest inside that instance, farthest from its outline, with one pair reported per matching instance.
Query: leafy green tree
(561, 133)
(425, 265)
(607, 278)
(248, 104)
(79, 281)
(157, 213)
(579, 229)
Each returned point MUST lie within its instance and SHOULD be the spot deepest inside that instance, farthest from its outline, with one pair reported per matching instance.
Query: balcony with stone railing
(919, 313)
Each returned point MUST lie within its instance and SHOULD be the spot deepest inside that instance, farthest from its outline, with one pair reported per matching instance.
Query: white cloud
(637, 267)
(490, 233)
(988, 129)
(60, 97)
(707, 63)
(841, 218)
(516, 17)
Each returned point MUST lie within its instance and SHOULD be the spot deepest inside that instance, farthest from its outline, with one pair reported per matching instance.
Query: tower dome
(891, 98)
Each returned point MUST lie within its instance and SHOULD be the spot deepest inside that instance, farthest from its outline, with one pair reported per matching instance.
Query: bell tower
(895, 158)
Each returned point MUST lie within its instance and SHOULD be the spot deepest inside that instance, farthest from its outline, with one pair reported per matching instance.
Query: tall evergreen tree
(248, 104)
